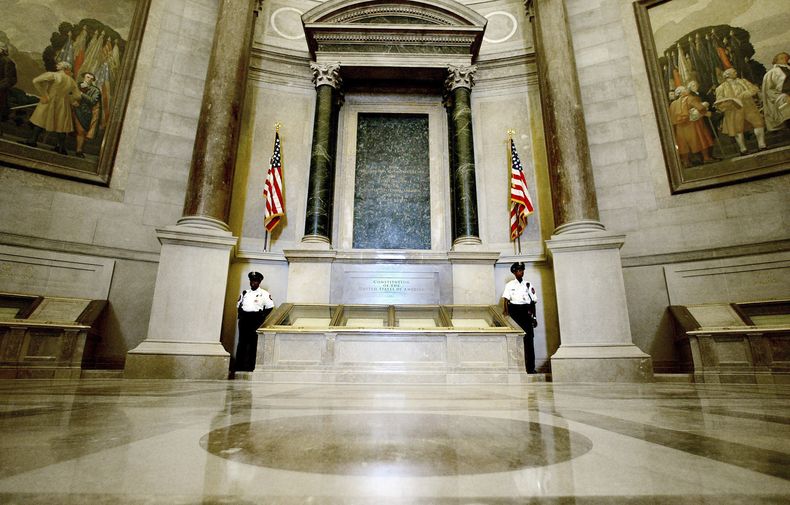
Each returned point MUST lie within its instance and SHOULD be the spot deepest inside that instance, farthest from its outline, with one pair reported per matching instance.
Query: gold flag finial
(510, 133)
(277, 127)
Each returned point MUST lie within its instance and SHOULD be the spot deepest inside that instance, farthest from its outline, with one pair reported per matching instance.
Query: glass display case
(303, 316)
(390, 343)
(47, 337)
(405, 317)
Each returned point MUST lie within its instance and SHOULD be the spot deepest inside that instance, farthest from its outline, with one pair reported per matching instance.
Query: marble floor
(186, 442)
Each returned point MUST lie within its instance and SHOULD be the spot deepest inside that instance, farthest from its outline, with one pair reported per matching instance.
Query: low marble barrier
(376, 345)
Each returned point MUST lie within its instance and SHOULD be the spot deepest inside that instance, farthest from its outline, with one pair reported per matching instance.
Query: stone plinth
(473, 276)
(595, 334)
(183, 338)
(309, 274)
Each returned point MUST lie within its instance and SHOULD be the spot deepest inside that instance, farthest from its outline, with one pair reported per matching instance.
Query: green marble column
(320, 195)
(462, 155)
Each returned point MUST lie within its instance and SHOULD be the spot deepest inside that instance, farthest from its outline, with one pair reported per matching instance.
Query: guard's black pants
(522, 315)
(246, 351)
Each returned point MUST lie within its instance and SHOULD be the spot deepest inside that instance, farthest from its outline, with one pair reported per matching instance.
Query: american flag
(273, 189)
(520, 202)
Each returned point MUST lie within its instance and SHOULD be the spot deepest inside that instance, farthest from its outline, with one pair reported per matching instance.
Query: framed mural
(717, 75)
(66, 70)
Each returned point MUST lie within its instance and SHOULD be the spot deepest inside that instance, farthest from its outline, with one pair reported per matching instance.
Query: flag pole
(277, 126)
(510, 133)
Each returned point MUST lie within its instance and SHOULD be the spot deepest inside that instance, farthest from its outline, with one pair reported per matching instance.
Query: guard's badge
(533, 291)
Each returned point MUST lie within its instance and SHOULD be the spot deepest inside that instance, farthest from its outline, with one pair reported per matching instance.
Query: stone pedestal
(473, 276)
(310, 273)
(596, 336)
(186, 320)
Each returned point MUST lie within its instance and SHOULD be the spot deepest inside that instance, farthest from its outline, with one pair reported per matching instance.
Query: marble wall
(740, 223)
(148, 181)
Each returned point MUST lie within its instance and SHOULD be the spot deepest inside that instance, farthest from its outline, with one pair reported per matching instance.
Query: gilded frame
(15, 154)
(762, 163)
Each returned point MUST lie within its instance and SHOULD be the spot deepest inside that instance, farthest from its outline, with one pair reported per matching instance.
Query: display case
(734, 342)
(371, 317)
(389, 343)
(46, 337)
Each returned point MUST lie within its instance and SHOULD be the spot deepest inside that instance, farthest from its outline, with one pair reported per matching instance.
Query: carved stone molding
(460, 77)
(365, 14)
(328, 73)
(394, 33)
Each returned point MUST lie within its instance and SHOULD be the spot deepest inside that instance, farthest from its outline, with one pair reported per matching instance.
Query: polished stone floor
(183, 442)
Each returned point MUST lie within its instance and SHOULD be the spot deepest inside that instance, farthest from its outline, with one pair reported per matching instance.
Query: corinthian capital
(530, 7)
(326, 73)
(460, 77)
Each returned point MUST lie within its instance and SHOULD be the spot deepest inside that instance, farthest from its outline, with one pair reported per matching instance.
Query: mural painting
(717, 74)
(65, 70)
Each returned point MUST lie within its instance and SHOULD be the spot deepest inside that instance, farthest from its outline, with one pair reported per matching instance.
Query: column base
(183, 339)
(595, 332)
(601, 363)
(177, 360)
(318, 242)
(467, 243)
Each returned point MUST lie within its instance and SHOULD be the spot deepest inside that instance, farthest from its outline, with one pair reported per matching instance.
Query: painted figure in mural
(692, 136)
(714, 58)
(776, 88)
(66, 53)
(519, 300)
(739, 56)
(735, 98)
(79, 48)
(7, 81)
(87, 112)
(58, 93)
(253, 307)
(698, 54)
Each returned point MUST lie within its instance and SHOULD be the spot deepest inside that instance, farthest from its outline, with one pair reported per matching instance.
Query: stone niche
(393, 59)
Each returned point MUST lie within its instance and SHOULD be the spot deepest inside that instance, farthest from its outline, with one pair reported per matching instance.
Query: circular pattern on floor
(384, 444)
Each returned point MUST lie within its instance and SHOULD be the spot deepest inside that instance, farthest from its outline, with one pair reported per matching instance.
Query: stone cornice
(391, 34)
(360, 15)
(349, 28)
(438, 11)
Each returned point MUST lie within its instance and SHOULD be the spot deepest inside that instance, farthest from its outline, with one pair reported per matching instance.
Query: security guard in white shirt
(253, 305)
(519, 299)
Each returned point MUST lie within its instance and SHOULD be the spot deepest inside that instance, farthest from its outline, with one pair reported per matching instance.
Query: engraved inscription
(416, 288)
(392, 201)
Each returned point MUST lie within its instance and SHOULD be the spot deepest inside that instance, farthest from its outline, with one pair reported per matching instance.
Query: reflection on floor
(161, 442)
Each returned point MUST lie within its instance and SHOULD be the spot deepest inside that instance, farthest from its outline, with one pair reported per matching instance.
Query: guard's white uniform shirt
(255, 301)
(520, 293)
